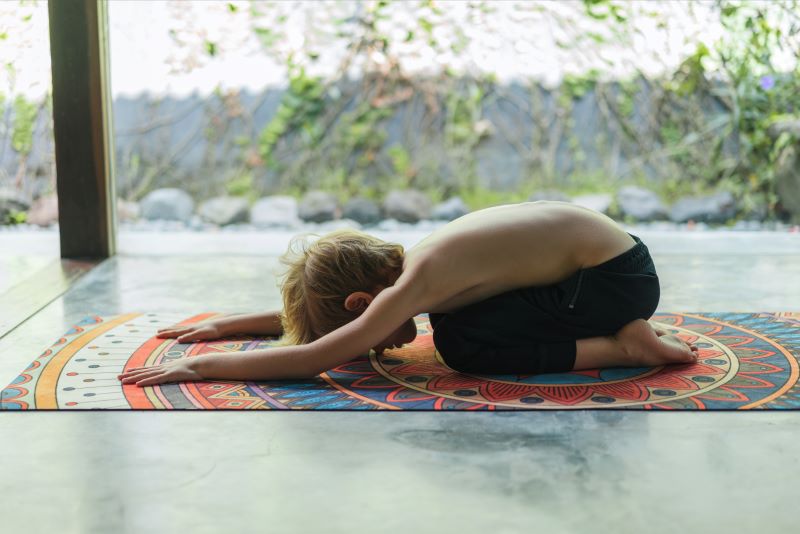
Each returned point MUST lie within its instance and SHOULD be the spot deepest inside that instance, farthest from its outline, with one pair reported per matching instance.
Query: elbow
(310, 372)
(307, 368)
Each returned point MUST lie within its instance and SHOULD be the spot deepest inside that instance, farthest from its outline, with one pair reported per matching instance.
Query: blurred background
(266, 115)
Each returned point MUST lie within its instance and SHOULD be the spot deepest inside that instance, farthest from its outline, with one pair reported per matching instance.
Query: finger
(139, 376)
(137, 369)
(135, 378)
(177, 326)
(192, 336)
(174, 328)
(136, 372)
(157, 379)
(173, 332)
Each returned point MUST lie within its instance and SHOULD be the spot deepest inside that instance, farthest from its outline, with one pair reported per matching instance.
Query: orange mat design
(747, 361)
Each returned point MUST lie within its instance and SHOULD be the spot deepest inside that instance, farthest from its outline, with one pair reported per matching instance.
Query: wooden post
(82, 127)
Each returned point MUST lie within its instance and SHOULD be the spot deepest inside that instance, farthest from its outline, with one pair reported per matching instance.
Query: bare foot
(645, 347)
(661, 332)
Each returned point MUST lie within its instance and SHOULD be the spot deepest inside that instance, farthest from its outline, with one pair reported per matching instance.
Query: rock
(746, 226)
(391, 225)
(640, 203)
(44, 211)
(224, 210)
(716, 208)
(787, 167)
(450, 209)
(548, 194)
(127, 211)
(407, 206)
(11, 202)
(169, 204)
(362, 210)
(338, 224)
(787, 181)
(756, 209)
(599, 202)
(275, 211)
(318, 206)
(790, 125)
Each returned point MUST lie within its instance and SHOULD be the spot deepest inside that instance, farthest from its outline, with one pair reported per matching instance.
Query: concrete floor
(304, 472)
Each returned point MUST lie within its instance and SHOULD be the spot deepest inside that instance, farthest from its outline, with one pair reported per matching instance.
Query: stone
(44, 211)
(128, 210)
(338, 224)
(407, 206)
(224, 210)
(599, 202)
(790, 125)
(275, 211)
(362, 210)
(548, 194)
(318, 207)
(168, 204)
(450, 209)
(391, 225)
(11, 202)
(787, 167)
(715, 208)
(640, 203)
(787, 181)
(756, 210)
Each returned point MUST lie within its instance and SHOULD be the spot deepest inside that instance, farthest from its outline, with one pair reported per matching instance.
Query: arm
(267, 323)
(393, 306)
(386, 313)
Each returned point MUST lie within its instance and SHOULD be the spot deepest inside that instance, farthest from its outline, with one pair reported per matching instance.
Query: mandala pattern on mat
(747, 361)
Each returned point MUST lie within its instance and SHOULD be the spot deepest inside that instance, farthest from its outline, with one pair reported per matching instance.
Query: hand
(183, 369)
(192, 332)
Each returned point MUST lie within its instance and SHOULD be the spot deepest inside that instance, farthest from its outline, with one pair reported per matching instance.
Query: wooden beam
(82, 127)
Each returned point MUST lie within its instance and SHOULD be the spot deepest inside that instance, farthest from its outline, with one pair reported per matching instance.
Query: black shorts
(534, 330)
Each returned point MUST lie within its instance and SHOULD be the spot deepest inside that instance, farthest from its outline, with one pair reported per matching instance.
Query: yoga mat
(747, 361)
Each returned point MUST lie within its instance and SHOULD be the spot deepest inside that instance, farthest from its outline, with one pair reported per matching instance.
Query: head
(332, 280)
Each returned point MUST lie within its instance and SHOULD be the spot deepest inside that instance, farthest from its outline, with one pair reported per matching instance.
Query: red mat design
(747, 361)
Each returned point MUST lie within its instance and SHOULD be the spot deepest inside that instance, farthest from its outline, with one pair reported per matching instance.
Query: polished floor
(306, 472)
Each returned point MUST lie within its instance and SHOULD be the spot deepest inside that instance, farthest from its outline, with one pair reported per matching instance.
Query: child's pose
(520, 289)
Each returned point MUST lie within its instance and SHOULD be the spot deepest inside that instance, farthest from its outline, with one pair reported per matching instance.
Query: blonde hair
(322, 273)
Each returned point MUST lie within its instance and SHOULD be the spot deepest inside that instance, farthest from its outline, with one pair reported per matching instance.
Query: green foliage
(401, 160)
(463, 109)
(302, 104)
(479, 197)
(575, 87)
(686, 132)
(22, 129)
(606, 10)
(241, 185)
(731, 149)
(761, 95)
(16, 217)
(320, 136)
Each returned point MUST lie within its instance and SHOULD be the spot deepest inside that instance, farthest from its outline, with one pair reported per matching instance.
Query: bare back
(498, 249)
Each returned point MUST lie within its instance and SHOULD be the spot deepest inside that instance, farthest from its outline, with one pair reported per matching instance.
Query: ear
(357, 301)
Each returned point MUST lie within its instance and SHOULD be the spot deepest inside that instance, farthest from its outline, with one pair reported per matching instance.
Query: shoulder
(412, 284)
(421, 284)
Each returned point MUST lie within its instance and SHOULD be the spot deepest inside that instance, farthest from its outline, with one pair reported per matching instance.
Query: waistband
(633, 259)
